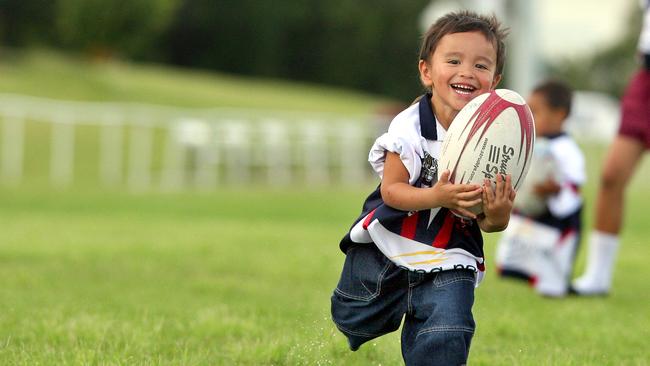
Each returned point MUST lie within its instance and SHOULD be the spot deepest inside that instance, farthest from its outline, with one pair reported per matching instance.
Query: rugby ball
(493, 134)
(542, 167)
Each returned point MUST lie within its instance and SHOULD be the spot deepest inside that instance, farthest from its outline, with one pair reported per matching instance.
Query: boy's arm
(497, 205)
(398, 193)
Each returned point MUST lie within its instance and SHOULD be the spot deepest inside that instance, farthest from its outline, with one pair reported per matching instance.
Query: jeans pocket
(445, 278)
(363, 272)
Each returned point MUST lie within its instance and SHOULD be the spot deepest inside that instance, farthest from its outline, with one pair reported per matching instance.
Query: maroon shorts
(635, 108)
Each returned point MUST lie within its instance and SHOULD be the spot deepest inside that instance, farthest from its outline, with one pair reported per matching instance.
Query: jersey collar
(554, 135)
(427, 119)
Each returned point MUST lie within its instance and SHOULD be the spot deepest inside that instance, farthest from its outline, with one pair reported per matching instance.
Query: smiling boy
(407, 255)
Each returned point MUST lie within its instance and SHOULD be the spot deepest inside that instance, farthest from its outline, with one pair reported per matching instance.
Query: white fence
(146, 147)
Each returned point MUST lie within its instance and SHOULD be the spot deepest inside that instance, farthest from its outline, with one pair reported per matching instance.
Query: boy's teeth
(464, 89)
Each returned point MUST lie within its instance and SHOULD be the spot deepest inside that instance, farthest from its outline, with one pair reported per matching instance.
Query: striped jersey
(427, 240)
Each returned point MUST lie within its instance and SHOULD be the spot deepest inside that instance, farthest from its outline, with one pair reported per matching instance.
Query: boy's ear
(495, 81)
(559, 114)
(425, 74)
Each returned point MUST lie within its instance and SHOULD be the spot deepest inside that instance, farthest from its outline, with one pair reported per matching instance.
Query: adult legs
(621, 161)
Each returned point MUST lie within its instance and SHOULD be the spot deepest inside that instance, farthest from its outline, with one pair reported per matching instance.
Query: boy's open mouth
(463, 88)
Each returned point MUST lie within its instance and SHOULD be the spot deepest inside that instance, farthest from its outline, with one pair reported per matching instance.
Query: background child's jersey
(563, 209)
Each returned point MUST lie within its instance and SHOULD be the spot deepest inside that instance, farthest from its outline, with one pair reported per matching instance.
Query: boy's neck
(443, 118)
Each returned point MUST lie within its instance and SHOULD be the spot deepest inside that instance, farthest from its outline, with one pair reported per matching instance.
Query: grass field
(50, 74)
(244, 276)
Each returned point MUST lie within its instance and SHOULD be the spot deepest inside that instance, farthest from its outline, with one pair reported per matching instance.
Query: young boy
(540, 245)
(408, 256)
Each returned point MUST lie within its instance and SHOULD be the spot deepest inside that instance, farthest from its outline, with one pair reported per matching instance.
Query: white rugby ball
(493, 134)
(542, 167)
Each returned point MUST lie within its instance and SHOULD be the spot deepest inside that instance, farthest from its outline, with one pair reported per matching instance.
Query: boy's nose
(466, 72)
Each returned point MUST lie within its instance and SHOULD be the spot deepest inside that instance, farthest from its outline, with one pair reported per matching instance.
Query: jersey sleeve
(571, 163)
(402, 139)
(571, 175)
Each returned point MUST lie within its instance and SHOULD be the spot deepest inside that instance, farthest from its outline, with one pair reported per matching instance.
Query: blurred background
(174, 94)
(175, 176)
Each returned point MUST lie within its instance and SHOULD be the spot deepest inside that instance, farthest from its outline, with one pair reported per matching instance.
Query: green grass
(54, 75)
(244, 278)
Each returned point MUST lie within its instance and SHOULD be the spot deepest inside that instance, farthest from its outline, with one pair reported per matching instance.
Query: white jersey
(571, 175)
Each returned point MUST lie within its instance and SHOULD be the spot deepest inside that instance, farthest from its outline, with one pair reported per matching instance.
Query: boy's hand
(457, 197)
(497, 204)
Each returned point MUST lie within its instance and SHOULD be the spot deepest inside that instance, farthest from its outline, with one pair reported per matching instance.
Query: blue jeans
(373, 295)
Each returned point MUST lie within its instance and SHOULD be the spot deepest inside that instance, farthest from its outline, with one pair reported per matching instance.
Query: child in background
(408, 256)
(542, 239)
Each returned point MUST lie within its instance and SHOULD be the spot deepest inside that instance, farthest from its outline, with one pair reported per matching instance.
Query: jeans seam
(372, 296)
(356, 333)
(445, 328)
(453, 280)
(409, 308)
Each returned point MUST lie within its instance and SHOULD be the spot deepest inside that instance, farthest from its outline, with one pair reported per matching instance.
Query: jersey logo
(429, 172)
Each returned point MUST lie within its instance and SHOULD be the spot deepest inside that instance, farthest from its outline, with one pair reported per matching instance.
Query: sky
(563, 28)
(573, 27)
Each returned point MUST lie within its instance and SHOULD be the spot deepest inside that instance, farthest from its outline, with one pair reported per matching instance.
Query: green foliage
(368, 45)
(26, 21)
(122, 26)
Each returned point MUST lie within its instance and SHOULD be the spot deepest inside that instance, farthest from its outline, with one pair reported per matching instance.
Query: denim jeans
(373, 295)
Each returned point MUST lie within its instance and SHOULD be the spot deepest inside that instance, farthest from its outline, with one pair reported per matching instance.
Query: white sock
(551, 280)
(600, 263)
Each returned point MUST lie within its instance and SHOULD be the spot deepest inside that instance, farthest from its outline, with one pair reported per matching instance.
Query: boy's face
(462, 66)
(547, 120)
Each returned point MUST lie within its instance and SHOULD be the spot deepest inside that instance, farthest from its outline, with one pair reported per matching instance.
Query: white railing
(147, 147)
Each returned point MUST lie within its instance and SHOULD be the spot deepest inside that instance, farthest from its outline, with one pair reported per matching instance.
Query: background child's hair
(466, 21)
(558, 95)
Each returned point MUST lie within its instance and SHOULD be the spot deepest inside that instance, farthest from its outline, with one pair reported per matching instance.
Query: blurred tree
(368, 45)
(104, 27)
(364, 44)
(607, 70)
(24, 22)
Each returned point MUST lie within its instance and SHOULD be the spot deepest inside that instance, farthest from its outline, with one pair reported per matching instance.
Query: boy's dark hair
(466, 21)
(558, 95)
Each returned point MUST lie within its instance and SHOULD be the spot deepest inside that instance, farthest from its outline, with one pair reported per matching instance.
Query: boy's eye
(453, 62)
(481, 66)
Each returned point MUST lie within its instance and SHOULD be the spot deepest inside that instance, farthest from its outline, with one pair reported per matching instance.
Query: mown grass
(243, 277)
